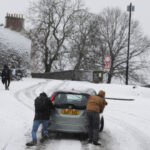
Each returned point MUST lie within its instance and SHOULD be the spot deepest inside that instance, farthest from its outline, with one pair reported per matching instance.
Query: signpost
(130, 8)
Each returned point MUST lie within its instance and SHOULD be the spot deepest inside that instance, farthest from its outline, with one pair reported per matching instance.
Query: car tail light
(52, 98)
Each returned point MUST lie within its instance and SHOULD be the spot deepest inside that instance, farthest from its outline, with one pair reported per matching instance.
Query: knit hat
(5, 66)
(43, 94)
(101, 93)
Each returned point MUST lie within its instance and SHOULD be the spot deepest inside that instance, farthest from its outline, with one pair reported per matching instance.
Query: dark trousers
(93, 125)
(7, 82)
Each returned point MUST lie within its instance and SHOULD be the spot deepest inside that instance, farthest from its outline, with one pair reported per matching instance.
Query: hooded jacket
(6, 73)
(97, 103)
(43, 105)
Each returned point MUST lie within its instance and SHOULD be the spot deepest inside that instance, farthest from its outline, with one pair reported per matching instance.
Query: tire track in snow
(30, 93)
(61, 85)
(23, 95)
(141, 140)
(58, 144)
(138, 117)
(27, 96)
(108, 137)
(52, 143)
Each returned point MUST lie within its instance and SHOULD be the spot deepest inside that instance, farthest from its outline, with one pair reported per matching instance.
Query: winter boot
(45, 137)
(89, 141)
(32, 143)
(96, 143)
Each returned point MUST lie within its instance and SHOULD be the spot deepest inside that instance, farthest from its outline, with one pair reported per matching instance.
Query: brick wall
(14, 21)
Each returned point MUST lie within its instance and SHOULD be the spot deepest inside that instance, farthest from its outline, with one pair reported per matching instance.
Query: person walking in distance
(95, 106)
(6, 76)
(42, 113)
(13, 73)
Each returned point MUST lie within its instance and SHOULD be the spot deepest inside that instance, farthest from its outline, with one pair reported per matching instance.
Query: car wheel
(101, 125)
(82, 136)
(85, 136)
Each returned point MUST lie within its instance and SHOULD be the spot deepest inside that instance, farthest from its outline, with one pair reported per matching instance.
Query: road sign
(107, 61)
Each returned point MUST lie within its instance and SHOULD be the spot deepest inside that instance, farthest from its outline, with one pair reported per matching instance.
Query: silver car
(69, 115)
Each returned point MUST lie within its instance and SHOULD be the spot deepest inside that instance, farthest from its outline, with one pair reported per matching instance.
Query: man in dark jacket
(42, 112)
(94, 107)
(6, 76)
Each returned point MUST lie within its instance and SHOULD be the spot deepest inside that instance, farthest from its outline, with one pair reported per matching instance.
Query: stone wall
(14, 22)
(69, 75)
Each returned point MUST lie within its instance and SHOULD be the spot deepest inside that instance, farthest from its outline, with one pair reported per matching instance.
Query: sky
(141, 13)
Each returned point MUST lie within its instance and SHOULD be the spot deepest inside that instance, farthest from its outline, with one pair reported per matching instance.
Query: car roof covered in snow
(83, 91)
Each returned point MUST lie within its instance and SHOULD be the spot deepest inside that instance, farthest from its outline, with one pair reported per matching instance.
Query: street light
(130, 8)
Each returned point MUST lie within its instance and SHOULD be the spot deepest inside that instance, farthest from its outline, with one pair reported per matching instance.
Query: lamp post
(130, 8)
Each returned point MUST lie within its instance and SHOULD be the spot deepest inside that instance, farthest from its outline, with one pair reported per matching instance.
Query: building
(15, 47)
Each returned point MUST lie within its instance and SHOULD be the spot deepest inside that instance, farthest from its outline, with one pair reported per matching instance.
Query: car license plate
(70, 111)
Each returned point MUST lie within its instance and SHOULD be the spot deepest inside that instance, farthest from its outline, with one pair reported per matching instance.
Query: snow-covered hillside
(126, 122)
(14, 48)
(14, 40)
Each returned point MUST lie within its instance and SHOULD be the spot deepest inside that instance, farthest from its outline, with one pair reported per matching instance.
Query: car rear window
(78, 100)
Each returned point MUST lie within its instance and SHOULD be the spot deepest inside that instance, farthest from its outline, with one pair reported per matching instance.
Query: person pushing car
(94, 107)
(42, 112)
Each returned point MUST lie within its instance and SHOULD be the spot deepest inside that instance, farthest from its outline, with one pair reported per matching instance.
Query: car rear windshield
(62, 100)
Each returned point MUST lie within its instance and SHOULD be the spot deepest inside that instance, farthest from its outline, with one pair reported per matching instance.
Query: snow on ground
(126, 122)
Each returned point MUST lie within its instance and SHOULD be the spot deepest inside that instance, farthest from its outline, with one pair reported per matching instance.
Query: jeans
(93, 125)
(36, 125)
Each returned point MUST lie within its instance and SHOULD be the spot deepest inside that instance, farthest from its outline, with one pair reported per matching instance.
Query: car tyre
(42, 134)
(101, 125)
(81, 136)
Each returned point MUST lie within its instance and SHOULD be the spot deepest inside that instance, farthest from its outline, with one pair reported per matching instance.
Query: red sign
(107, 61)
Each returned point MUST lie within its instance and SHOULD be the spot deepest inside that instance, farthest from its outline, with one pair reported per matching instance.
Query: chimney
(14, 22)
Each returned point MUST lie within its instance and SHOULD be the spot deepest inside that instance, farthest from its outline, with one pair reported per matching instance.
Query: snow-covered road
(126, 122)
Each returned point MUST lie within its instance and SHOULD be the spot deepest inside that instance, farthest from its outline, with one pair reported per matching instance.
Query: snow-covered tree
(81, 45)
(14, 49)
(112, 36)
(52, 22)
